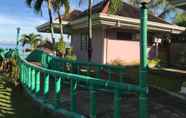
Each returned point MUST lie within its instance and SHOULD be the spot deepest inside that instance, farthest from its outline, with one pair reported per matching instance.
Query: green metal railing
(37, 80)
(109, 72)
(32, 76)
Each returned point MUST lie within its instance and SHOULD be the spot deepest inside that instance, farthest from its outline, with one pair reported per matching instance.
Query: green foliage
(37, 6)
(181, 19)
(115, 5)
(60, 46)
(8, 64)
(154, 62)
(71, 57)
(160, 8)
(117, 62)
(58, 4)
(31, 39)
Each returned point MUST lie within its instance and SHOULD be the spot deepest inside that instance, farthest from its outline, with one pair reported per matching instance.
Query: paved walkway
(13, 104)
(161, 105)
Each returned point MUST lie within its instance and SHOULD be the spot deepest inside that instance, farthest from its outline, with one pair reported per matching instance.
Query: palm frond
(114, 6)
(38, 6)
(29, 3)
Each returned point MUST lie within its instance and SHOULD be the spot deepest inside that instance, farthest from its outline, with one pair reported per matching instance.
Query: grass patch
(162, 81)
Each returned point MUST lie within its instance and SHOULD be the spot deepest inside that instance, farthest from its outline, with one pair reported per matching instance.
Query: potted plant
(60, 48)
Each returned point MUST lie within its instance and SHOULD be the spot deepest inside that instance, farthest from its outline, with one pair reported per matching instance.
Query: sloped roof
(71, 16)
(126, 10)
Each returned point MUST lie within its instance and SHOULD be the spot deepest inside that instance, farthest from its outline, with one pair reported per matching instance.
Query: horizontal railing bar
(89, 80)
(84, 63)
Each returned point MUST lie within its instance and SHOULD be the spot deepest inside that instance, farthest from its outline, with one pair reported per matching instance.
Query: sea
(7, 46)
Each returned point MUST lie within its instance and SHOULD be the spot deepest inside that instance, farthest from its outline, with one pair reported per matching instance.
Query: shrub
(117, 62)
(60, 48)
(154, 62)
(71, 57)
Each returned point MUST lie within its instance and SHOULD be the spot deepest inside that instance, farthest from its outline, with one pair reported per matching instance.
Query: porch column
(143, 107)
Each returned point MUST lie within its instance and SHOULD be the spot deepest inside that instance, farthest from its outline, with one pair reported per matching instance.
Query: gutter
(136, 23)
(45, 25)
(115, 20)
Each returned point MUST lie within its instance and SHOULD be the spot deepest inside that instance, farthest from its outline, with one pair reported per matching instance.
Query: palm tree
(114, 5)
(57, 4)
(31, 39)
(37, 5)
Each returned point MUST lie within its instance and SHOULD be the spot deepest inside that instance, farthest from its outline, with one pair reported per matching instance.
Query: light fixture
(144, 1)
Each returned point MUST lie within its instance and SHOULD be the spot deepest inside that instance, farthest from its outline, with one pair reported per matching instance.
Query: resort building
(115, 36)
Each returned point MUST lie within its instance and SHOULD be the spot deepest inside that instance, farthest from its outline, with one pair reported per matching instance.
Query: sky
(15, 13)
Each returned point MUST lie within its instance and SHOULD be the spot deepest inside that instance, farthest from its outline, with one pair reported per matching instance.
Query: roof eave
(117, 21)
(42, 27)
(135, 23)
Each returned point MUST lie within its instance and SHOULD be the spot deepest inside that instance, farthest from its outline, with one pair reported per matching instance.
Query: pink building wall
(126, 51)
(106, 47)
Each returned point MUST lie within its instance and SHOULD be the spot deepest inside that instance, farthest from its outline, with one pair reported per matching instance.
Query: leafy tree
(57, 5)
(160, 8)
(31, 39)
(37, 5)
(181, 19)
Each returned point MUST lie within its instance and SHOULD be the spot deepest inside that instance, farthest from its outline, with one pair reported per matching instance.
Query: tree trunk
(60, 23)
(90, 31)
(51, 21)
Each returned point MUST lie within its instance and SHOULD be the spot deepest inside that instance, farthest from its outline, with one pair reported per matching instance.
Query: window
(84, 41)
(124, 36)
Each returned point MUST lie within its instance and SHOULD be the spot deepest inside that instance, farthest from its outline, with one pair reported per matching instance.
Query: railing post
(92, 102)
(21, 70)
(33, 79)
(97, 72)
(143, 110)
(117, 104)
(73, 90)
(78, 68)
(37, 83)
(88, 70)
(109, 73)
(29, 77)
(24, 75)
(46, 86)
(58, 90)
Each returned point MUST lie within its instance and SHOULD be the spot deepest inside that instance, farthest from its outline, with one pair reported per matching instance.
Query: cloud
(13, 20)
(9, 24)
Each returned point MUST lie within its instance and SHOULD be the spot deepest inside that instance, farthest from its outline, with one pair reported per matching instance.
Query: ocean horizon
(7, 46)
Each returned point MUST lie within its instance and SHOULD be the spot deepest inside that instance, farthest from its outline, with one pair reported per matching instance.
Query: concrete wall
(178, 54)
(76, 43)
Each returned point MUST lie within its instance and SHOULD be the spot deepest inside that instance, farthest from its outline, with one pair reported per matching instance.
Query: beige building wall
(97, 45)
